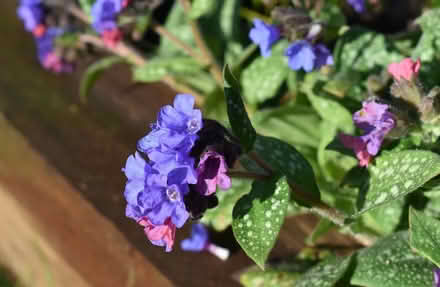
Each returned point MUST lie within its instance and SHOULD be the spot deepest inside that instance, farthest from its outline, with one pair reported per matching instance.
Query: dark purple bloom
(264, 35)
(31, 12)
(323, 56)
(436, 272)
(212, 172)
(358, 5)
(198, 241)
(303, 55)
(375, 121)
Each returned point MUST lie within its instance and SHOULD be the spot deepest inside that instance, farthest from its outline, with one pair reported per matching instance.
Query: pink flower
(160, 235)
(359, 147)
(406, 69)
(111, 37)
(54, 62)
(212, 172)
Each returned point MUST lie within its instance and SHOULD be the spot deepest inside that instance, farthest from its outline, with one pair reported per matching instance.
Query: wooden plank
(51, 236)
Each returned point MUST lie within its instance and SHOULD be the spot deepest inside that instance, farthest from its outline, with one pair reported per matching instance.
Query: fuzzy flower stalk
(163, 176)
(199, 241)
(375, 120)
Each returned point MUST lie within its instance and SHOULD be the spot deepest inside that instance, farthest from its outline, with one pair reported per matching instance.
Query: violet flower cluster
(104, 19)
(32, 13)
(376, 122)
(156, 188)
(301, 54)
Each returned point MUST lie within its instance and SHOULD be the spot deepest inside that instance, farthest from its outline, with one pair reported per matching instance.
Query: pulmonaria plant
(436, 273)
(31, 12)
(156, 190)
(376, 122)
(407, 69)
(104, 14)
(301, 54)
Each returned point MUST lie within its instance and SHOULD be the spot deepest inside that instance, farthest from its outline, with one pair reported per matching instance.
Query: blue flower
(303, 55)
(264, 35)
(104, 13)
(358, 5)
(31, 12)
(198, 241)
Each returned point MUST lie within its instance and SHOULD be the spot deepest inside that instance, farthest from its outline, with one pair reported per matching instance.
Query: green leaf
(391, 263)
(385, 219)
(283, 274)
(92, 74)
(325, 274)
(425, 235)
(397, 174)
(286, 160)
(177, 24)
(238, 117)
(363, 50)
(158, 68)
(264, 76)
(293, 123)
(202, 8)
(428, 46)
(220, 217)
(258, 216)
(323, 227)
(86, 5)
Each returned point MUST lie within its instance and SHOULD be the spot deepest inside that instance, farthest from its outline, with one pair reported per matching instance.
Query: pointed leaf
(92, 74)
(258, 216)
(425, 235)
(325, 274)
(202, 7)
(238, 117)
(263, 77)
(285, 159)
(397, 174)
(392, 263)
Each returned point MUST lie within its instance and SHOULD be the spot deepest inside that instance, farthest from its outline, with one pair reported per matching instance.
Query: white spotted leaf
(325, 274)
(395, 175)
(286, 160)
(238, 117)
(262, 79)
(392, 263)
(280, 274)
(425, 235)
(258, 216)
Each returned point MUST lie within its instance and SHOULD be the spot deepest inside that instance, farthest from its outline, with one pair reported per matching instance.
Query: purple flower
(436, 272)
(104, 14)
(212, 172)
(303, 55)
(31, 12)
(47, 54)
(375, 121)
(264, 35)
(358, 5)
(176, 127)
(198, 241)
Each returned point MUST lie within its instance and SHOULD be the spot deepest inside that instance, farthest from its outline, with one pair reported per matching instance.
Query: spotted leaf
(238, 117)
(258, 216)
(392, 263)
(325, 274)
(395, 175)
(425, 235)
(286, 160)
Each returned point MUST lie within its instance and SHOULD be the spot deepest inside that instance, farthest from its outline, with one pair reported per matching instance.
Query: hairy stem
(125, 51)
(214, 68)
